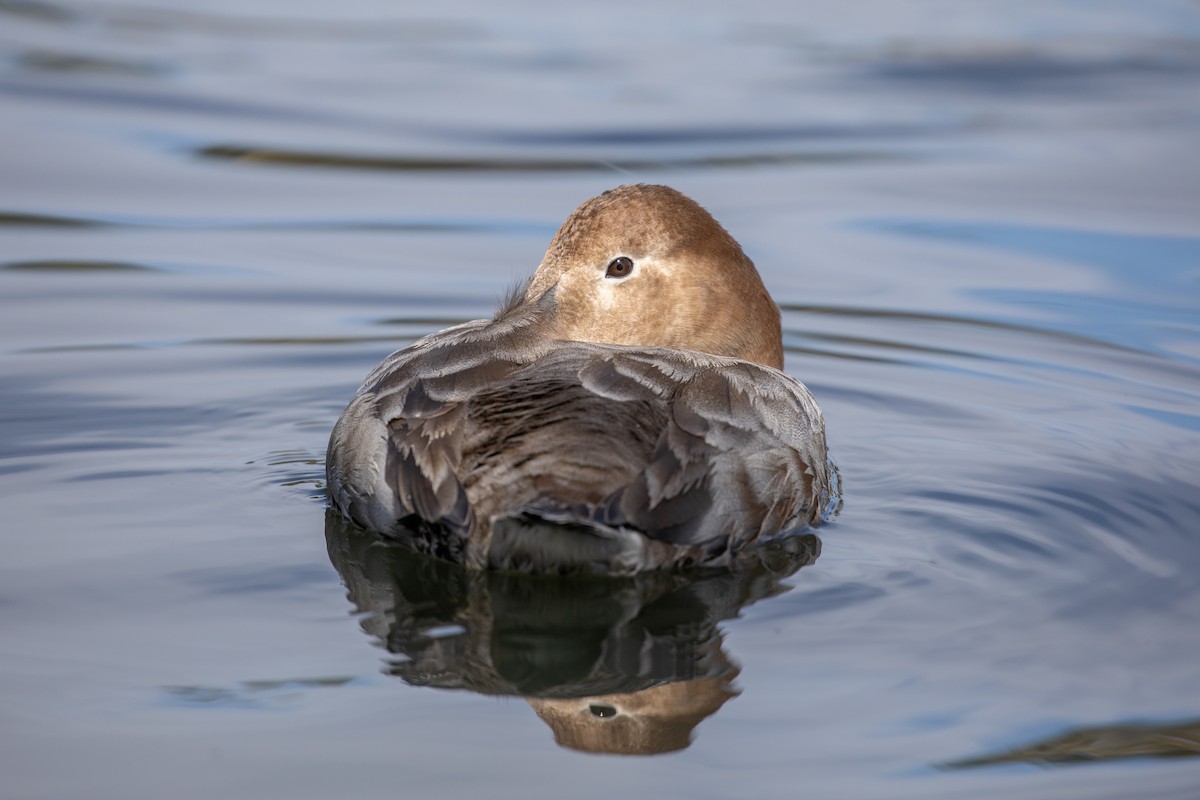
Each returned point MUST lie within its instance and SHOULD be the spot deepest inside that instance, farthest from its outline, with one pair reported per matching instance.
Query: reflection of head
(655, 720)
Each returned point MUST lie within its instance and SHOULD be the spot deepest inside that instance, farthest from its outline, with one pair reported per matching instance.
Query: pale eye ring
(619, 267)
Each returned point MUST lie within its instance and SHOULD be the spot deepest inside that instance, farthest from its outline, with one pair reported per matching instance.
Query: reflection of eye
(619, 267)
(602, 711)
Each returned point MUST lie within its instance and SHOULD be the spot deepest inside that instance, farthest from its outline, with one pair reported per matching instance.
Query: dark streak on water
(261, 155)
(74, 266)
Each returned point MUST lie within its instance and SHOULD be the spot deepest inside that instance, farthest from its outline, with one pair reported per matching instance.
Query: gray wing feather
(739, 454)
(733, 463)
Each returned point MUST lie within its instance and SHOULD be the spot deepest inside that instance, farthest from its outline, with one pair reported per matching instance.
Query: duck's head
(646, 265)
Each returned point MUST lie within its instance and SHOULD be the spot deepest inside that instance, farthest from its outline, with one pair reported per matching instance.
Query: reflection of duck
(619, 665)
(623, 412)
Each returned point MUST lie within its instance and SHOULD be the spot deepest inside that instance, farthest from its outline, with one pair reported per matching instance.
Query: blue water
(980, 222)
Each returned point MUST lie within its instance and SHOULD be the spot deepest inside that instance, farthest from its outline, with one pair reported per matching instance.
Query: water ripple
(455, 225)
(417, 163)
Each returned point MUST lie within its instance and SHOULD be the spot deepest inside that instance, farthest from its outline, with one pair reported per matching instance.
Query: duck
(624, 410)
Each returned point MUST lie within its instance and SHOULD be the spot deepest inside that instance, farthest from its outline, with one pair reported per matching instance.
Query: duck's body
(507, 444)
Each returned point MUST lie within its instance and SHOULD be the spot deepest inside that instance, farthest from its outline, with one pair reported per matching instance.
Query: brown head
(646, 265)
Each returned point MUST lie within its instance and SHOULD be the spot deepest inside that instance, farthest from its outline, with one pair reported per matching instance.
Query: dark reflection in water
(147, 20)
(627, 665)
(33, 9)
(1026, 69)
(718, 134)
(33, 221)
(417, 163)
(1106, 743)
(21, 219)
(252, 694)
(73, 266)
(50, 61)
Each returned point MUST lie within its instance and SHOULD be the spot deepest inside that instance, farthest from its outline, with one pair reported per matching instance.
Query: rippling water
(981, 224)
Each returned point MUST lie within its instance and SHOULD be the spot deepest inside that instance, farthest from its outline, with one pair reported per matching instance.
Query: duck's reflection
(627, 665)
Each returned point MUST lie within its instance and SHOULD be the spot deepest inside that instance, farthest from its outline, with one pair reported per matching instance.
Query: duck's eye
(619, 267)
(602, 711)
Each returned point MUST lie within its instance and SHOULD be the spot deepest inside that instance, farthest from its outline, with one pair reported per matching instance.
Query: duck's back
(493, 445)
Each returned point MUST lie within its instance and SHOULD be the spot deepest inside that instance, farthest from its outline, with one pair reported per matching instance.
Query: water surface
(981, 225)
